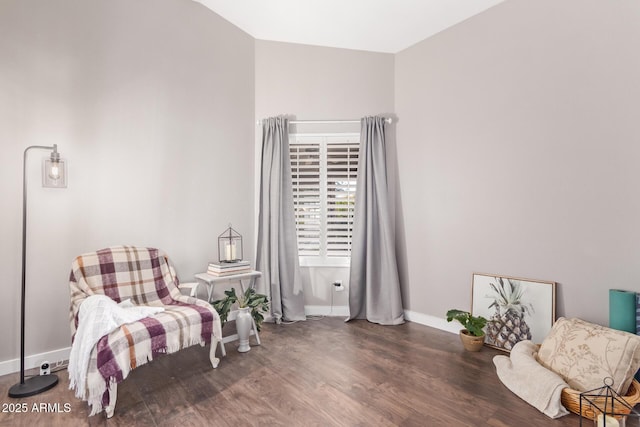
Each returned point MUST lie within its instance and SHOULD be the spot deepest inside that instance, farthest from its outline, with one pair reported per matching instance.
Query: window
(324, 170)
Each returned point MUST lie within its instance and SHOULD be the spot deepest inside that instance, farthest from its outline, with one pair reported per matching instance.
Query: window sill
(328, 263)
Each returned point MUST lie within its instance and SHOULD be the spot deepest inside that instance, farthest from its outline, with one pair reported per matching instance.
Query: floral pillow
(583, 354)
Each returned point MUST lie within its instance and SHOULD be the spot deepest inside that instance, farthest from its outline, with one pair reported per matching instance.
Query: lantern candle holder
(603, 407)
(230, 246)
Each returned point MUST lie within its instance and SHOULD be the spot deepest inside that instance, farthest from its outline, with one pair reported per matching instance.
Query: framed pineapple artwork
(516, 309)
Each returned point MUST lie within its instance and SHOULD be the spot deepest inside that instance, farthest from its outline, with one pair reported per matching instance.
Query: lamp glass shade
(230, 246)
(54, 173)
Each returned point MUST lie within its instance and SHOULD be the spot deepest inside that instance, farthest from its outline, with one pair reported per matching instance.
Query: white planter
(243, 326)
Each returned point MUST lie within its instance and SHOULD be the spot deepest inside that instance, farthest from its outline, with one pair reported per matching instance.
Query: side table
(210, 281)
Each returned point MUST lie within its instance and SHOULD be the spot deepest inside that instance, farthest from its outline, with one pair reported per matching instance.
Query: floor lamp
(54, 174)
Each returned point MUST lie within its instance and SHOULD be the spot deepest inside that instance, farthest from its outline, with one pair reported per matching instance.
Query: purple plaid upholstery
(145, 276)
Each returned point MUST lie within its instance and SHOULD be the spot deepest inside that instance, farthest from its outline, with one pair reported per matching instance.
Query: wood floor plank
(315, 373)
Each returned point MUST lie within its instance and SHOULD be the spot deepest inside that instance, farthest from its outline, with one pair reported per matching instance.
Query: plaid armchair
(145, 276)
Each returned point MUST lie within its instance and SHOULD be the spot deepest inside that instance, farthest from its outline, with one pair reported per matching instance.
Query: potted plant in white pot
(472, 336)
(250, 305)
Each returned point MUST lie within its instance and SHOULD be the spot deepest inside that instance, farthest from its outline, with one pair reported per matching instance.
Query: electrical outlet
(338, 286)
(45, 368)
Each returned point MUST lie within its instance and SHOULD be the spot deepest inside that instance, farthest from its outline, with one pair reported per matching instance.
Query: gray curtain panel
(277, 252)
(374, 286)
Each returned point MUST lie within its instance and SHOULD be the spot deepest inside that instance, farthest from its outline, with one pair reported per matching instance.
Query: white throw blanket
(529, 380)
(98, 316)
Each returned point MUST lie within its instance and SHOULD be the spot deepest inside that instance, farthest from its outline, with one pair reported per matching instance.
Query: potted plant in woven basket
(472, 336)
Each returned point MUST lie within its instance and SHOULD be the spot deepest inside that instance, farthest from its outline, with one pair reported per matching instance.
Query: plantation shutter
(305, 173)
(324, 170)
(342, 172)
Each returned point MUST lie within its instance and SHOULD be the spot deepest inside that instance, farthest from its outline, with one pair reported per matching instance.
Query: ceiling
(373, 25)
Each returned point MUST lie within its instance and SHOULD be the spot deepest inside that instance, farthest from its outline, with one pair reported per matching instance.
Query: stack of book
(228, 268)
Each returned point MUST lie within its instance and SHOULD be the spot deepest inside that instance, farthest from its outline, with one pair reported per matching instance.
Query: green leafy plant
(473, 324)
(258, 303)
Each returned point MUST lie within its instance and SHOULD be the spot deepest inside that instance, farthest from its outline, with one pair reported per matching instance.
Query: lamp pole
(37, 384)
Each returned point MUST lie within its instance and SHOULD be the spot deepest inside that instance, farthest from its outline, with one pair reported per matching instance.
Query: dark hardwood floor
(314, 373)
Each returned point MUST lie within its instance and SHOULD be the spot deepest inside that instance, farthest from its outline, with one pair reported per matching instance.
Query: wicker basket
(571, 400)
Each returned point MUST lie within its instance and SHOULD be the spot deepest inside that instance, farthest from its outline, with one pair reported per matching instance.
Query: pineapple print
(507, 325)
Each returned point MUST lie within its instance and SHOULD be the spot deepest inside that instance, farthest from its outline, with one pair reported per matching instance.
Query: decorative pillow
(583, 354)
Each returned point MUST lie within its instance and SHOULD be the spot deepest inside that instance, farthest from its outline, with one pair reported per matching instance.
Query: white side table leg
(255, 331)
(253, 323)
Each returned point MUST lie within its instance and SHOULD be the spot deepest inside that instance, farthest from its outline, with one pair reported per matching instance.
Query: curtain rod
(322, 122)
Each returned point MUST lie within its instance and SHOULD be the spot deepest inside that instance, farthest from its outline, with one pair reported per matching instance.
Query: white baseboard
(11, 366)
(433, 321)
(325, 310)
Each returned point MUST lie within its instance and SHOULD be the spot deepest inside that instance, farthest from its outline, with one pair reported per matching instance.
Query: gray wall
(519, 144)
(314, 83)
(152, 103)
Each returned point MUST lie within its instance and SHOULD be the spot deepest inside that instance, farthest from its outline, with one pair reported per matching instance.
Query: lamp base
(33, 385)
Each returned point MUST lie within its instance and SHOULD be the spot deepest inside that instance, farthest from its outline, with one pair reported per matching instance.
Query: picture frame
(516, 309)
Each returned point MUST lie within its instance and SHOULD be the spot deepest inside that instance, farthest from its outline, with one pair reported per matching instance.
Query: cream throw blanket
(98, 316)
(523, 375)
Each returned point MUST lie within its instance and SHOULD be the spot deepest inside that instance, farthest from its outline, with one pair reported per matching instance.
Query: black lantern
(230, 246)
(605, 408)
